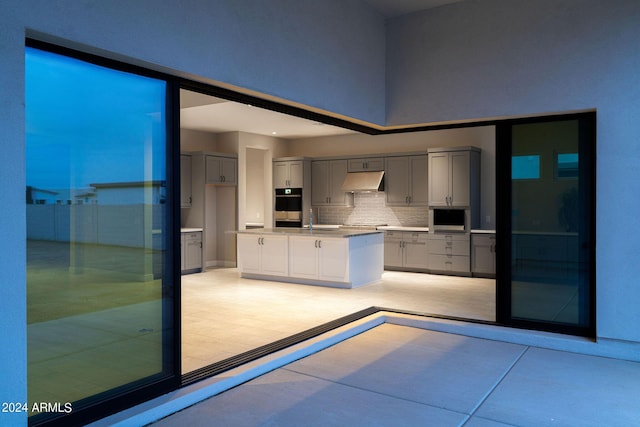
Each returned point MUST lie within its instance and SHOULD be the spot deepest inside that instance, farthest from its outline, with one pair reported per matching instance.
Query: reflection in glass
(96, 143)
(550, 278)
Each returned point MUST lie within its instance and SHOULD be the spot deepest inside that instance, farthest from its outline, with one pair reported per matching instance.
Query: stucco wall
(475, 59)
(327, 54)
(494, 58)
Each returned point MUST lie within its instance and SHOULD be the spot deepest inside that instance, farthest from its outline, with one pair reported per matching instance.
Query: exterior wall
(495, 58)
(470, 60)
(280, 48)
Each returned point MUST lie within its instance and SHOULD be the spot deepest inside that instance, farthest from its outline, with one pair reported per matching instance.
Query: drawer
(484, 239)
(415, 236)
(192, 236)
(393, 235)
(450, 263)
(458, 248)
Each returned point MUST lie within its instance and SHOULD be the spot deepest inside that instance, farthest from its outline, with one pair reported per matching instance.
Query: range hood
(358, 182)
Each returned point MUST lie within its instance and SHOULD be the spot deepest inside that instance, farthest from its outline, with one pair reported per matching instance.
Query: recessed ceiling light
(274, 133)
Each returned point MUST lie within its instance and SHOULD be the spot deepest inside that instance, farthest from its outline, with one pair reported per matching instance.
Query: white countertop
(479, 231)
(307, 232)
(190, 230)
(324, 226)
(401, 228)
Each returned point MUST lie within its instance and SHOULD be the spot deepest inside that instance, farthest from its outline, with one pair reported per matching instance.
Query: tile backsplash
(369, 208)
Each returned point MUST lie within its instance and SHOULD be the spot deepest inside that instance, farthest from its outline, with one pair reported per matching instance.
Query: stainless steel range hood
(358, 182)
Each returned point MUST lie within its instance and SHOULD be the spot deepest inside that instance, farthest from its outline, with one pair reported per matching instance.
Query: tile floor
(395, 375)
(224, 315)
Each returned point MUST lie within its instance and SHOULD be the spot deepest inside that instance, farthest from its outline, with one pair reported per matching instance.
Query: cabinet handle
(320, 244)
(190, 201)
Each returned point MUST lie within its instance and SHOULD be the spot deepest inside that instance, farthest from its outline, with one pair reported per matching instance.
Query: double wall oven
(288, 207)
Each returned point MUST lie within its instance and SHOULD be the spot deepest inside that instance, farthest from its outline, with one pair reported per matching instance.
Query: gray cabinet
(483, 254)
(405, 250)
(185, 181)
(454, 177)
(191, 251)
(326, 183)
(221, 170)
(406, 181)
(288, 174)
(372, 164)
(450, 253)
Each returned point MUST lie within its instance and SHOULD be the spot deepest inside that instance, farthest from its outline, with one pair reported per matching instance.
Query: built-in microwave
(449, 219)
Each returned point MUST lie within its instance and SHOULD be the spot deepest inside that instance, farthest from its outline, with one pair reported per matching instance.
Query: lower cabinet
(483, 254)
(263, 254)
(404, 249)
(191, 252)
(450, 253)
(317, 258)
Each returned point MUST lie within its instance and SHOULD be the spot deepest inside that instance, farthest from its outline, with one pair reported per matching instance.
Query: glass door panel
(99, 287)
(549, 280)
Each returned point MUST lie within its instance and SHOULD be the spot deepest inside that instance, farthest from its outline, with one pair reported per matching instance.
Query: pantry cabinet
(406, 180)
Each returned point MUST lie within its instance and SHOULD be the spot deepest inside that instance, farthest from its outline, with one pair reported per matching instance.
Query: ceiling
(210, 114)
(393, 8)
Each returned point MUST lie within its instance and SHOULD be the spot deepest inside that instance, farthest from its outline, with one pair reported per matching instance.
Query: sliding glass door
(100, 279)
(545, 226)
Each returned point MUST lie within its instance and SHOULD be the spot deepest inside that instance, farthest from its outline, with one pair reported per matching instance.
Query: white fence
(138, 226)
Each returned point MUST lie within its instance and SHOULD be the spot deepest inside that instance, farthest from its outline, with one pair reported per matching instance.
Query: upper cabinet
(221, 170)
(185, 181)
(372, 164)
(327, 177)
(288, 174)
(406, 180)
(454, 176)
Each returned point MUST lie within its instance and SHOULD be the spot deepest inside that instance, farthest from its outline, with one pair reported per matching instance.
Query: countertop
(324, 226)
(308, 232)
(401, 228)
(190, 230)
(479, 231)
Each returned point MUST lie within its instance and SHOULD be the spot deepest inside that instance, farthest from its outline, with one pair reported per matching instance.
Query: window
(566, 165)
(525, 167)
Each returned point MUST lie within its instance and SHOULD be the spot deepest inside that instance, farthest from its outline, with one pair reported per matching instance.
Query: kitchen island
(336, 258)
